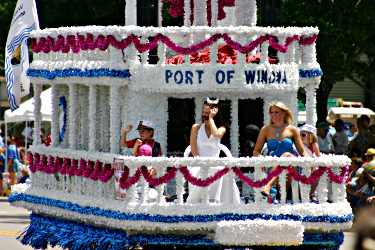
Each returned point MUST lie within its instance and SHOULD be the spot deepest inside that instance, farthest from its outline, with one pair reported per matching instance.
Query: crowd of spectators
(358, 142)
(13, 161)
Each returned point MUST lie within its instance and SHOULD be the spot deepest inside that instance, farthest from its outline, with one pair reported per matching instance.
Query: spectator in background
(360, 143)
(340, 139)
(361, 188)
(324, 138)
(353, 131)
(13, 160)
(24, 174)
(365, 121)
(28, 132)
(370, 164)
(2, 162)
(371, 139)
(355, 165)
(1, 137)
(358, 190)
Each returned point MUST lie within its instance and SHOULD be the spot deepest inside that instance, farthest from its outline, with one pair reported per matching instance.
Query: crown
(212, 100)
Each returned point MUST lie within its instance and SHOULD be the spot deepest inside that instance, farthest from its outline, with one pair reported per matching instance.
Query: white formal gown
(223, 190)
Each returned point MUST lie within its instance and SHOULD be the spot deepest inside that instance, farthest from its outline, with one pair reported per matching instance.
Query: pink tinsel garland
(341, 178)
(257, 184)
(171, 174)
(52, 165)
(30, 159)
(202, 182)
(82, 166)
(42, 166)
(80, 42)
(313, 178)
(126, 181)
(97, 169)
(106, 174)
(73, 168)
(88, 169)
(65, 166)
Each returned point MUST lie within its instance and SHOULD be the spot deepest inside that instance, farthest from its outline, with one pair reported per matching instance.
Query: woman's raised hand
(213, 112)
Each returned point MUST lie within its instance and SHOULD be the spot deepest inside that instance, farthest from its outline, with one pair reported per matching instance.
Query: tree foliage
(345, 46)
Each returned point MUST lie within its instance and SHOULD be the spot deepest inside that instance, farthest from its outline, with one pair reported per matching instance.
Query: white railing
(81, 173)
(105, 46)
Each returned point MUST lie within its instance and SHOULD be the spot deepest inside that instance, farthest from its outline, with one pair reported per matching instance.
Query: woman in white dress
(204, 142)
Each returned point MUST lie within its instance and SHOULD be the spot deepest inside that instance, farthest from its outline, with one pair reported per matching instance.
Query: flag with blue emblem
(25, 19)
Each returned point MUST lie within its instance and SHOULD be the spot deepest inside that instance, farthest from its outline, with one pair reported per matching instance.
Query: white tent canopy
(25, 112)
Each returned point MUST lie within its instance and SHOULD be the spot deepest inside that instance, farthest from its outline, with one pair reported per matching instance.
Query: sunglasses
(304, 134)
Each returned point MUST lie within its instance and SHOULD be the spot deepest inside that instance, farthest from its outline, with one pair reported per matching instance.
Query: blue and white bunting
(25, 19)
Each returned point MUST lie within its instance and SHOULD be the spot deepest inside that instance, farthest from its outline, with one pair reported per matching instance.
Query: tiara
(212, 100)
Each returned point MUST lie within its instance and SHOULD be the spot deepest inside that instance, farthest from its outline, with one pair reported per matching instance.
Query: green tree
(60, 13)
(345, 46)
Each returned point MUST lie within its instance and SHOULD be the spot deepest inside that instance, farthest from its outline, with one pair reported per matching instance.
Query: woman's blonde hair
(312, 138)
(288, 114)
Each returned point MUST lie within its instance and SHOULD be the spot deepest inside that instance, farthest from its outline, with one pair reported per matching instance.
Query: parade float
(85, 194)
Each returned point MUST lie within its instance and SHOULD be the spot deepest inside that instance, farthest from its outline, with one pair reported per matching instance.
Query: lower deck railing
(163, 180)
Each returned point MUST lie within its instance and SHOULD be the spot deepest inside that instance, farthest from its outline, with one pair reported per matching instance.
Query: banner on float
(25, 19)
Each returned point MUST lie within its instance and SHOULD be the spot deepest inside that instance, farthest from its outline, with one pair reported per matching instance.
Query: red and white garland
(96, 171)
(77, 43)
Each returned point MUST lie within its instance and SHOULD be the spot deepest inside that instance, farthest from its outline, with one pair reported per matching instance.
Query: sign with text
(221, 78)
(191, 77)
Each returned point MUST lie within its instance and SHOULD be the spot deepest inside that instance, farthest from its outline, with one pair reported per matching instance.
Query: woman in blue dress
(279, 136)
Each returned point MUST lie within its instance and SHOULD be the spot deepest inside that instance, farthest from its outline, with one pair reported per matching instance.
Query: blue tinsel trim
(50, 75)
(310, 73)
(74, 235)
(172, 219)
(327, 239)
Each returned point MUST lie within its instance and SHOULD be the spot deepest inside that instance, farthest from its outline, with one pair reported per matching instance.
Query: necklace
(278, 131)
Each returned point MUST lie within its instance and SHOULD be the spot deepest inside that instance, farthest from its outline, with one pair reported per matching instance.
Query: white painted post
(37, 114)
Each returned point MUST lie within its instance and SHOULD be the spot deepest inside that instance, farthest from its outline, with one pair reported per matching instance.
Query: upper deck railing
(81, 173)
(119, 45)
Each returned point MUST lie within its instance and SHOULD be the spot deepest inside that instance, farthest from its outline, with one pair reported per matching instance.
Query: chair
(221, 146)
(228, 195)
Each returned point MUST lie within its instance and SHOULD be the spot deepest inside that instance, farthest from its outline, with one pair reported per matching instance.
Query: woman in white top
(204, 142)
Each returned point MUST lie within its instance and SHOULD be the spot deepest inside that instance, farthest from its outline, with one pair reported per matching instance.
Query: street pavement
(14, 220)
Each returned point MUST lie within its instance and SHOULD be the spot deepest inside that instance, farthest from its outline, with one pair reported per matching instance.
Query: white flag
(25, 19)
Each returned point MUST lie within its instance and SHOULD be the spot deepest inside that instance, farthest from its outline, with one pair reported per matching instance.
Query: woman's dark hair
(218, 118)
(339, 125)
